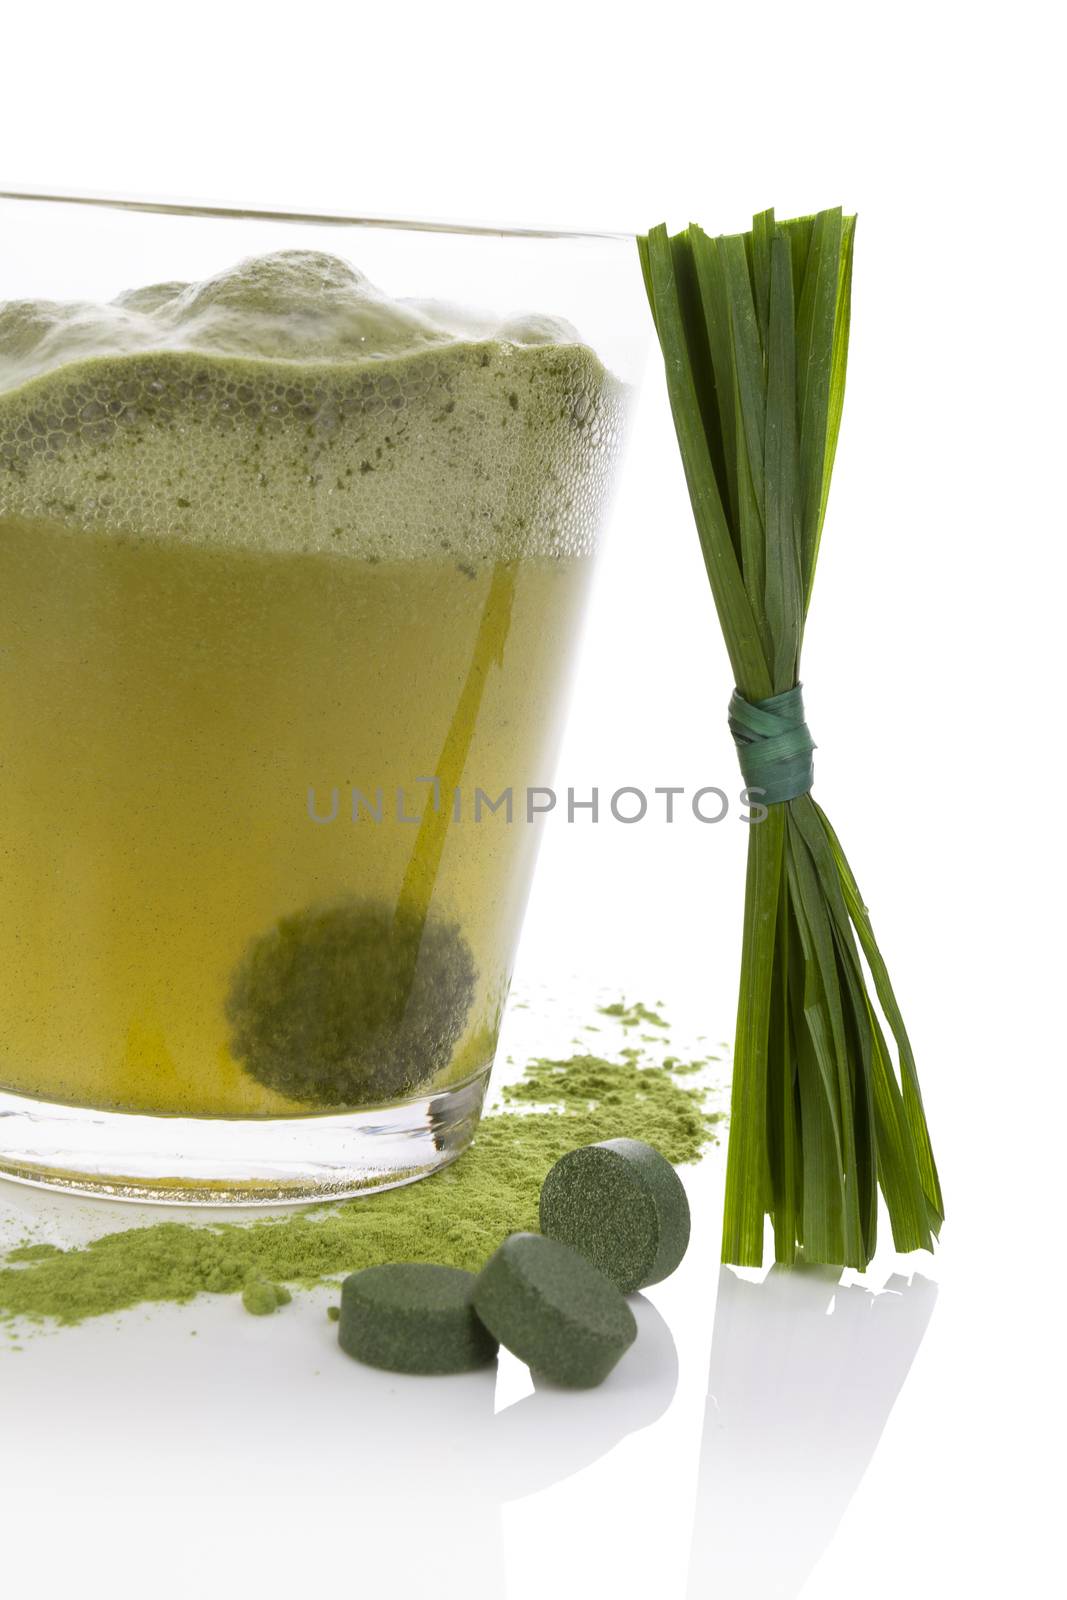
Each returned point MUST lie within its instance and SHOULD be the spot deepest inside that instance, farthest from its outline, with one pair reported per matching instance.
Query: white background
(214, 1463)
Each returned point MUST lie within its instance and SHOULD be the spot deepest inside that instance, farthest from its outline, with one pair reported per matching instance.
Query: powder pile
(457, 1217)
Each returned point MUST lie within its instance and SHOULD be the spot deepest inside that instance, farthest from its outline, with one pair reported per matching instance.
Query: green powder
(457, 1217)
(262, 1299)
(33, 1252)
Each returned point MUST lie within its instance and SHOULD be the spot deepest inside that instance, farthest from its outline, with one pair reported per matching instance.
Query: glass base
(213, 1161)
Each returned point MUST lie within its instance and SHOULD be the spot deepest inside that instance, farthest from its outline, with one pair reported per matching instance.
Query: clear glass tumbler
(297, 521)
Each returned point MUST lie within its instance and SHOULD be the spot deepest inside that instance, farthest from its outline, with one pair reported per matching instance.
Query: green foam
(554, 1310)
(622, 1206)
(288, 406)
(413, 1317)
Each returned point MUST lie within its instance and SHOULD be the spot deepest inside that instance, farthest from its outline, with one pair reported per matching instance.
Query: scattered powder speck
(630, 1016)
(457, 1217)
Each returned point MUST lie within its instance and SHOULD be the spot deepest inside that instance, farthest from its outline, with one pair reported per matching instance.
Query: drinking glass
(289, 599)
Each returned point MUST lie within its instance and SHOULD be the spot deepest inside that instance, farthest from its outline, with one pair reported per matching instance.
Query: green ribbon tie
(773, 745)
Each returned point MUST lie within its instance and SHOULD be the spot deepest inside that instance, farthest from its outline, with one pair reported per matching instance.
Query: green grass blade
(747, 350)
(703, 368)
(734, 342)
(782, 1128)
(798, 230)
(816, 322)
(748, 1185)
(759, 246)
(821, 1137)
(898, 1169)
(822, 1230)
(860, 1052)
(784, 605)
(837, 388)
(711, 286)
(646, 274)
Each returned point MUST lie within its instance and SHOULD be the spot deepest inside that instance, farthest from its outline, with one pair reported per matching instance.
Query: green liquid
(225, 581)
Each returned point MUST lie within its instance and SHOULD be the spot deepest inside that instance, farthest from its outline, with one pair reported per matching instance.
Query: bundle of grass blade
(754, 333)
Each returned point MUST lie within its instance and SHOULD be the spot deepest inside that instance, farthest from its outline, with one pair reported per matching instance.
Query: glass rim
(335, 219)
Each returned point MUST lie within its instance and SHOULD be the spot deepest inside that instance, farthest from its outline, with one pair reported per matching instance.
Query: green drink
(290, 578)
(311, 547)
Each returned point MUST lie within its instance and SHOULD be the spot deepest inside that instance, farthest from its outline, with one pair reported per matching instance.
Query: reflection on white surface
(421, 1467)
(554, 1432)
(804, 1373)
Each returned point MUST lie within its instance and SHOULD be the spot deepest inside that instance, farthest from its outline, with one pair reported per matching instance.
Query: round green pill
(413, 1317)
(622, 1206)
(554, 1310)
